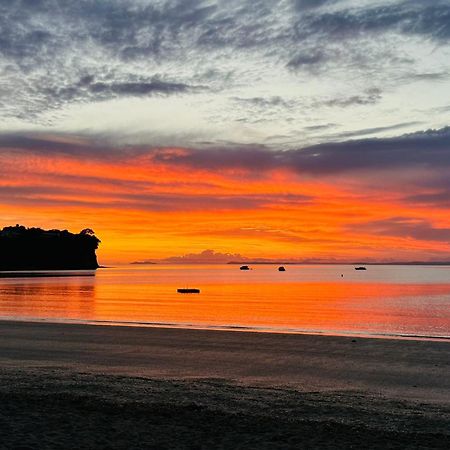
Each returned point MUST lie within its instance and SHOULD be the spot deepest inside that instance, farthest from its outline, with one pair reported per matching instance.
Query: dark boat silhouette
(281, 269)
(360, 268)
(188, 291)
(244, 268)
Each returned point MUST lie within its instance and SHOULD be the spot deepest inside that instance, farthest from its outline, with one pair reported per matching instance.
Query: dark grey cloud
(53, 53)
(126, 47)
(370, 97)
(374, 130)
(427, 76)
(301, 5)
(320, 127)
(143, 88)
(128, 29)
(431, 191)
(47, 144)
(423, 150)
(308, 59)
(439, 198)
(365, 38)
(90, 89)
(405, 227)
(265, 102)
(430, 20)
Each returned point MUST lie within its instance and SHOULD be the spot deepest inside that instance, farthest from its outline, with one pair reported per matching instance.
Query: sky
(296, 129)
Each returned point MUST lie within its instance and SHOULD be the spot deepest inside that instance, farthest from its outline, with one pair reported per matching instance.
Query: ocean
(384, 300)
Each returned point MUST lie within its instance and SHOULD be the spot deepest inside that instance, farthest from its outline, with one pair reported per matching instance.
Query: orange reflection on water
(68, 298)
(151, 297)
(309, 306)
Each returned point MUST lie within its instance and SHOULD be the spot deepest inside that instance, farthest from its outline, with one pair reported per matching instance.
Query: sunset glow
(142, 208)
(292, 130)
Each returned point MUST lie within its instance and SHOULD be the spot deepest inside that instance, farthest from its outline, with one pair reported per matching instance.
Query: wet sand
(81, 386)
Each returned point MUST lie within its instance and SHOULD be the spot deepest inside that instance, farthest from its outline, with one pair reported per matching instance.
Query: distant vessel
(360, 268)
(244, 268)
(188, 291)
(281, 269)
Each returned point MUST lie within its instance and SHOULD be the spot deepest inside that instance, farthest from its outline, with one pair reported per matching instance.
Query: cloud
(431, 191)
(100, 200)
(47, 143)
(258, 110)
(90, 90)
(371, 97)
(94, 90)
(120, 180)
(426, 76)
(440, 198)
(309, 59)
(54, 54)
(375, 130)
(204, 257)
(320, 127)
(301, 5)
(428, 149)
(429, 20)
(143, 88)
(406, 227)
(264, 102)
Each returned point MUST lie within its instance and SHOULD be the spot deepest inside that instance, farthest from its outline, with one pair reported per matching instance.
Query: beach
(85, 386)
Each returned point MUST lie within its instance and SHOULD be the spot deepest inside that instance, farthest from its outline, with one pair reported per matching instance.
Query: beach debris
(360, 268)
(281, 269)
(244, 268)
(188, 291)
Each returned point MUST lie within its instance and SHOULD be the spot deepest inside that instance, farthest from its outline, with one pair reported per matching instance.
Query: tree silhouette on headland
(24, 248)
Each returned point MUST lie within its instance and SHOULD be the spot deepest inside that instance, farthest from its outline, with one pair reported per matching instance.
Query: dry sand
(81, 386)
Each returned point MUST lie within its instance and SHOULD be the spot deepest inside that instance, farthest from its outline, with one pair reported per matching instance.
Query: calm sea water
(384, 300)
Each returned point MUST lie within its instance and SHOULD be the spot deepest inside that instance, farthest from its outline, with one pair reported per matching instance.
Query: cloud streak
(428, 149)
(406, 227)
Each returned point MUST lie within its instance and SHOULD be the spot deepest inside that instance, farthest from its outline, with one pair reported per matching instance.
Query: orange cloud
(143, 207)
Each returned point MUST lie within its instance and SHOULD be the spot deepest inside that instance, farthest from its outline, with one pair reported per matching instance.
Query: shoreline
(50, 409)
(80, 386)
(415, 369)
(226, 328)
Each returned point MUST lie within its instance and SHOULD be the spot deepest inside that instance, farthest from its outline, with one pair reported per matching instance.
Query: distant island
(24, 248)
(213, 257)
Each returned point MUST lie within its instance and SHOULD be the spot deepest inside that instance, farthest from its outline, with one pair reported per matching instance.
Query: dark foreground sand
(80, 387)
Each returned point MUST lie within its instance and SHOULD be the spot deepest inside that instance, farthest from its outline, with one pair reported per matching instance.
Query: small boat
(188, 291)
(281, 269)
(244, 268)
(360, 268)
